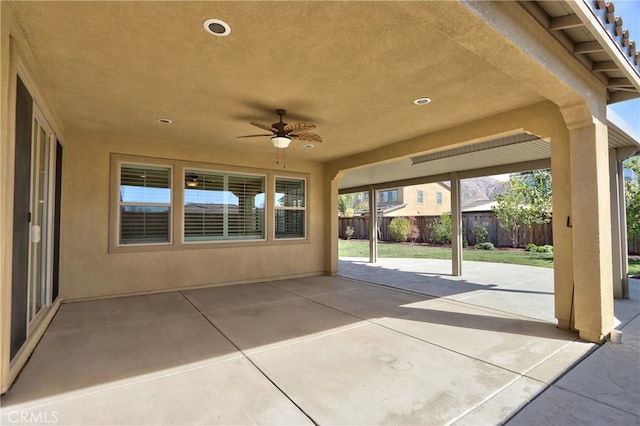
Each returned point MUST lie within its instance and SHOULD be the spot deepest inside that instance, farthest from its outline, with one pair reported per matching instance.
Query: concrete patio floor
(323, 350)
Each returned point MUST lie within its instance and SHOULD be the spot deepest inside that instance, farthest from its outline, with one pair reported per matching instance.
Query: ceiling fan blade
(264, 126)
(254, 136)
(306, 136)
(297, 126)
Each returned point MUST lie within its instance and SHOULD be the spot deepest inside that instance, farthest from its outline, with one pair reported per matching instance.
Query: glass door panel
(39, 209)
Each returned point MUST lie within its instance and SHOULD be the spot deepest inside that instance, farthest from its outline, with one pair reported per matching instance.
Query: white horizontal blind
(144, 204)
(223, 206)
(290, 208)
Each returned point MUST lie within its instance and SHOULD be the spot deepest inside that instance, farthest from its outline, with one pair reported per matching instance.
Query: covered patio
(317, 350)
(137, 193)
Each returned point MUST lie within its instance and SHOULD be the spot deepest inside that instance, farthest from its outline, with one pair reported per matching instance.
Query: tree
(526, 202)
(349, 203)
(632, 198)
(345, 201)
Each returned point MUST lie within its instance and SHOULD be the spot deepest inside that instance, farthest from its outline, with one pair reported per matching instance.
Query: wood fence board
(538, 234)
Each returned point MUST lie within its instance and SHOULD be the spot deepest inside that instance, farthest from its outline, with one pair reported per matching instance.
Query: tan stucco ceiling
(352, 68)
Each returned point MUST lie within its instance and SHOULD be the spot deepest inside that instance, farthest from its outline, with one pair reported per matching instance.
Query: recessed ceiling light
(164, 121)
(217, 27)
(422, 101)
(308, 145)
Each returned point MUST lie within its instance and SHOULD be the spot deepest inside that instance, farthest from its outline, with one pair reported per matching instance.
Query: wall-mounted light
(280, 141)
(191, 181)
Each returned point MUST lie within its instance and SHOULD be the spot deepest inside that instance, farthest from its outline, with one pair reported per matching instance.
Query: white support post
(616, 229)
(624, 245)
(456, 226)
(373, 226)
(621, 155)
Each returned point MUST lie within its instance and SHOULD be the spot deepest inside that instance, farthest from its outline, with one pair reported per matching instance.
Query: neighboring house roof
(210, 208)
(480, 206)
(387, 208)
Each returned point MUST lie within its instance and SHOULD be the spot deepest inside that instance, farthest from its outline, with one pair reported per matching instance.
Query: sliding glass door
(40, 212)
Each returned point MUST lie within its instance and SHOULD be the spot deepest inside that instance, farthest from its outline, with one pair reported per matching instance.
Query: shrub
(400, 228)
(349, 232)
(484, 246)
(441, 229)
(539, 249)
(348, 212)
(480, 231)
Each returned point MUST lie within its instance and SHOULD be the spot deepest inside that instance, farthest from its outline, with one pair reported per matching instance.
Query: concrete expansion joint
(245, 356)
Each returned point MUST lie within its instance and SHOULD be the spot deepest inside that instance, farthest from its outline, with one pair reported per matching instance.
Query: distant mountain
(481, 188)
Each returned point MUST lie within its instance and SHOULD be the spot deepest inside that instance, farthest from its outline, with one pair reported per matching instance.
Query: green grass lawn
(634, 265)
(360, 248)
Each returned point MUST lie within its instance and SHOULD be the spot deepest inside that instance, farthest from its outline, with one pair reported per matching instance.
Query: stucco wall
(91, 269)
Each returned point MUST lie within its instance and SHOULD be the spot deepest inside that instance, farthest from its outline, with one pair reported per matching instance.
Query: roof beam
(588, 47)
(544, 163)
(442, 177)
(604, 66)
(619, 83)
(524, 166)
(565, 22)
(621, 96)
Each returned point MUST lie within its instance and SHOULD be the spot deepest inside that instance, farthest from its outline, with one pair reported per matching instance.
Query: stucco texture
(91, 268)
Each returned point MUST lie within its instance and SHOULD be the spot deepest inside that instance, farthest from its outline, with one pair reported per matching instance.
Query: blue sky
(629, 111)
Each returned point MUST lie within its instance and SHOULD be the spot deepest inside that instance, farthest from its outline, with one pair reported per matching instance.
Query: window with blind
(223, 206)
(290, 208)
(144, 204)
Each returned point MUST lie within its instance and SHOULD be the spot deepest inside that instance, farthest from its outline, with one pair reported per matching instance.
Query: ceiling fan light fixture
(192, 181)
(280, 141)
(217, 27)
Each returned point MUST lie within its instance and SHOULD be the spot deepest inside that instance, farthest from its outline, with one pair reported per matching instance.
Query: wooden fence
(634, 246)
(538, 234)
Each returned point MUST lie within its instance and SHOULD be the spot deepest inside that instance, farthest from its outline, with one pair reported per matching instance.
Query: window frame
(119, 203)
(439, 198)
(178, 172)
(304, 209)
(420, 197)
(226, 174)
(390, 196)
